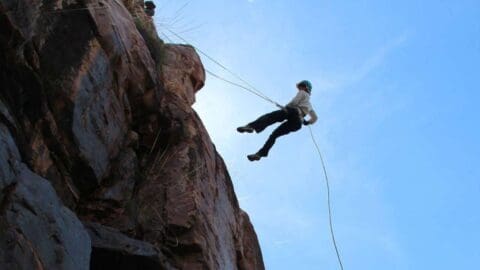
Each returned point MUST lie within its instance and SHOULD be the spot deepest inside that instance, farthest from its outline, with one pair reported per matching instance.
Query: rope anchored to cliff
(278, 116)
(240, 86)
(250, 88)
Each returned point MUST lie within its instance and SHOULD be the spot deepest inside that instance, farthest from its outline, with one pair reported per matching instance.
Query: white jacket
(302, 102)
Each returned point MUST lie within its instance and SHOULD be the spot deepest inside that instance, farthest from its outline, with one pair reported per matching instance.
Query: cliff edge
(103, 162)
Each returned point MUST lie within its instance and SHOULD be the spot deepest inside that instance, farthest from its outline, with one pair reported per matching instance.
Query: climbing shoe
(246, 128)
(254, 157)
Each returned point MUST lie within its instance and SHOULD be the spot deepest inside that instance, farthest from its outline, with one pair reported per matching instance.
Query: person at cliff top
(292, 116)
(150, 8)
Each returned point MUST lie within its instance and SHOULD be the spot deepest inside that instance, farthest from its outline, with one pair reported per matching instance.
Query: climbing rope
(240, 86)
(252, 88)
(253, 91)
(258, 93)
(327, 182)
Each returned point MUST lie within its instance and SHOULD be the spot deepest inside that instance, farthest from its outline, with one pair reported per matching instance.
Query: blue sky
(396, 88)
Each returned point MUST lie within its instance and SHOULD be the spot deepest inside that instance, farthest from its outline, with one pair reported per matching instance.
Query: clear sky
(397, 91)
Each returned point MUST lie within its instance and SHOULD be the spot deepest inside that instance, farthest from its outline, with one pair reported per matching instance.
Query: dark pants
(293, 123)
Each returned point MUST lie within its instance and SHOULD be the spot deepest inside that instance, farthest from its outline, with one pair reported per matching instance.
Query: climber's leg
(283, 129)
(264, 121)
(291, 125)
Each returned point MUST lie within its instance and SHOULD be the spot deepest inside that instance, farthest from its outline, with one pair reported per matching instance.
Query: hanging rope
(252, 88)
(240, 86)
(327, 182)
(228, 81)
(253, 91)
(258, 93)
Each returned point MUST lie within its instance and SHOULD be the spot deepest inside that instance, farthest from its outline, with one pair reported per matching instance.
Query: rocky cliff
(103, 162)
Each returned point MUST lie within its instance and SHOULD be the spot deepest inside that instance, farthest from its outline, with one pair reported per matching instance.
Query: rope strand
(223, 67)
(327, 182)
(238, 85)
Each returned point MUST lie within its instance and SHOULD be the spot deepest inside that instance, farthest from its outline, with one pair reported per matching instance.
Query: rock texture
(95, 115)
(36, 230)
(113, 250)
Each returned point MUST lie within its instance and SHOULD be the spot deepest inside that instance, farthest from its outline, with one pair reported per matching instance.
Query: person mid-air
(292, 116)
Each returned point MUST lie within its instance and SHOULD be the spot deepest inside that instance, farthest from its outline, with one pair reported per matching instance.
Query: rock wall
(96, 127)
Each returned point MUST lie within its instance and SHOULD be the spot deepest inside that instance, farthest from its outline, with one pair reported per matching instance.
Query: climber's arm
(313, 118)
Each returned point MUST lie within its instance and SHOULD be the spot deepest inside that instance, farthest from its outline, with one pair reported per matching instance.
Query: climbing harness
(260, 94)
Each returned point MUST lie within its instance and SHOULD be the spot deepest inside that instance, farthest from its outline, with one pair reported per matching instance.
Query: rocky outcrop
(36, 230)
(95, 115)
(187, 191)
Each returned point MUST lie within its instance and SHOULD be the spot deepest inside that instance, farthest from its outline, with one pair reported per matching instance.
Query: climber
(150, 8)
(294, 113)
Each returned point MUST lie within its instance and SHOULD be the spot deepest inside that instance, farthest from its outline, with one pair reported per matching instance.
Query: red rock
(183, 72)
(97, 105)
(37, 231)
(113, 250)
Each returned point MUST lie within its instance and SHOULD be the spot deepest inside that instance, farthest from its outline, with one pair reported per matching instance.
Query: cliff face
(103, 162)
